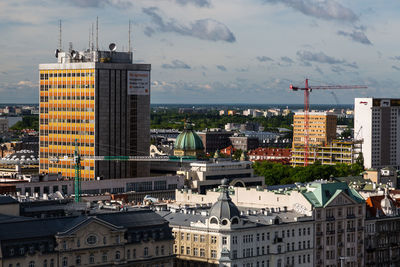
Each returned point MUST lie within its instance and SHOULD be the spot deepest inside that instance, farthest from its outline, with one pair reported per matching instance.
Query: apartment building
(338, 214)
(100, 102)
(225, 235)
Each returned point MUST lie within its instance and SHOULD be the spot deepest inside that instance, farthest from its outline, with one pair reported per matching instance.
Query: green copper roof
(324, 193)
(188, 140)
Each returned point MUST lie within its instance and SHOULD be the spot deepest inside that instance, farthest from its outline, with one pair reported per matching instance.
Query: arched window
(279, 264)
(52, 263)
(235, 221)
(156, 250)
(128, 253)
(214, 221)
(65, 262)
(117, 255)
(78, 260)
(224, 222)
(31, 264)
(45, 263)
(146, 251)
(91, 258)
(162, 250)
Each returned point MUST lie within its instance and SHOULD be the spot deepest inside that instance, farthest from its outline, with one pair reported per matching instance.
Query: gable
(340, 198)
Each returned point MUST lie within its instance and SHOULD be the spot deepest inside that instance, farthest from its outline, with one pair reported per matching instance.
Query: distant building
(322, 129)
(137, 238)
(202, 176)
(244, 142)
(102, 100)
(376, 123)
(387, 176)
(337, 151)
(281, 155)
(3, 125)
(213, 140)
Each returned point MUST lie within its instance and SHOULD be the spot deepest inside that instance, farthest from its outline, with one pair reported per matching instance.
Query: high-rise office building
(377, 124)
(101, 100)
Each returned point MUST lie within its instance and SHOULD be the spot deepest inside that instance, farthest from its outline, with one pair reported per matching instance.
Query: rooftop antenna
(59, 36)
(92, 47)
(97, 33)
(89, 37)
(129, 37)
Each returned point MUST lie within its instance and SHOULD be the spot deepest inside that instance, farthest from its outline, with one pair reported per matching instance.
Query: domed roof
(224, 208)
(387, 204)
(188, 140)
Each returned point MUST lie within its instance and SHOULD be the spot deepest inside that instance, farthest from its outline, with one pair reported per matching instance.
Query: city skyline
(208, 51)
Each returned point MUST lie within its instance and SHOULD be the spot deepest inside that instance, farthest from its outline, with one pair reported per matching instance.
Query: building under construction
(102, 100)
(322, 143)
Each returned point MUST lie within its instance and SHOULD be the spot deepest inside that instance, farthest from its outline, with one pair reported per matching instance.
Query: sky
(215, 51)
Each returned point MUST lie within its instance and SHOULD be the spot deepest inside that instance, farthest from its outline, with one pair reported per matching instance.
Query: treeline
(276, 173)
(28, 122)
(172, 119)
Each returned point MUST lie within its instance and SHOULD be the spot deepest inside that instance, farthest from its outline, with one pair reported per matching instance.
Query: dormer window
(213, 221)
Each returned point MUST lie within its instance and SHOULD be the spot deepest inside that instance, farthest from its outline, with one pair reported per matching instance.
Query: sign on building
(138, 83)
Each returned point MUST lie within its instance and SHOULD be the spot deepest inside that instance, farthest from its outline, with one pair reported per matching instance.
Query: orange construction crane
(307, 90)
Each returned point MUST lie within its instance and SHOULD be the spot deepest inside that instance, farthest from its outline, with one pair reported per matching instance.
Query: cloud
(199, 3)
(395, 68)
(356, 36)
(318, 69)
(322, 9)
(221, 67)
(264, 59)
(22, 84)
(287, 60)
(318, 57)
(101, 3)
(176, 64)
(205, 29)
(395, 58)
(337, 69)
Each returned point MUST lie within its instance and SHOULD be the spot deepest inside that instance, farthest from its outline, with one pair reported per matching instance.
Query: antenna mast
(97, 33)
(59, 36)
(92, 46)
(129, 37)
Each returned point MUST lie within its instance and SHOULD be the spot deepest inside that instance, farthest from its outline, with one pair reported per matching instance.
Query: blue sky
(216, 51)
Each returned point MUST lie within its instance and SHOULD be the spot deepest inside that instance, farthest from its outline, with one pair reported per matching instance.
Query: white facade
(376, 123)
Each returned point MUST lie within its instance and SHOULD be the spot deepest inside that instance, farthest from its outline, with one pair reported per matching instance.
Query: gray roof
(7, 200)
(224, 208)
(12, 228)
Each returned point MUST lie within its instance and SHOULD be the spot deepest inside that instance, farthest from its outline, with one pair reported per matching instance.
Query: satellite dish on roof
(112, 47)
(74, 54)
(56, 52)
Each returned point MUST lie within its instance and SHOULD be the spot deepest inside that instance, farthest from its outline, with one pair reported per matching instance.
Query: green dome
(188, 140)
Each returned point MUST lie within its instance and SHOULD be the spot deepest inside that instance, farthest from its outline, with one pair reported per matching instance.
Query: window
(134, 253)
(202, 252)
(78, 242)
(202, 238)
(52, 263)
(224, 240)
(117, 255)
(45, 263)
(31, 264)
(128, 253)
(195, 251)
(65, 262)
(195, 238)
(104, 240)
(91, 258)
(104, 257)
(91, 240)
(213, 254)
(146, 252)
(162, 250)
(78, 260)
(187, 250)
(64, 244)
